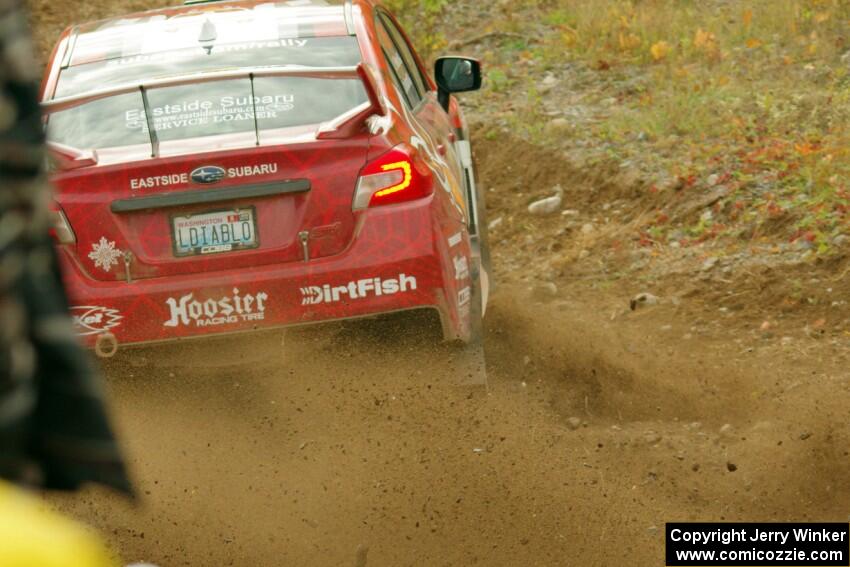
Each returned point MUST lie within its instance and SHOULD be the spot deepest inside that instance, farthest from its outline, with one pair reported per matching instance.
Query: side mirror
(456, 75)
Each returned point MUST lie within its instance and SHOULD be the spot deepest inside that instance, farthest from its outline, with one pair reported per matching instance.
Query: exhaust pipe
(106, 345)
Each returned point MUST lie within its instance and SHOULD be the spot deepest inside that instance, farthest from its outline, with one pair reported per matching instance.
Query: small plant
(497, 80)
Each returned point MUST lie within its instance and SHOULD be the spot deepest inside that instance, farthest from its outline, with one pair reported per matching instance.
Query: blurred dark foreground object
(54, 431)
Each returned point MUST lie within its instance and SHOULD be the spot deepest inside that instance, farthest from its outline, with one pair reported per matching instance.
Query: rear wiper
(149, 119)
(254, 109)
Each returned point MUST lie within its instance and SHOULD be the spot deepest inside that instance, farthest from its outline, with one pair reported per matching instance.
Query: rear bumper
(399, 261)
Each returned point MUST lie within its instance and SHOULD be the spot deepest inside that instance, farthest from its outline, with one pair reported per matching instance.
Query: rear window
(337, 51)
(206, 109)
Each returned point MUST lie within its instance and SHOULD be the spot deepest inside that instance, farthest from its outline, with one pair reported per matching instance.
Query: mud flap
(470, 364)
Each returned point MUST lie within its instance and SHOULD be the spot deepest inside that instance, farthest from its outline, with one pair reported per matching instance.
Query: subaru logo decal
(208, 174)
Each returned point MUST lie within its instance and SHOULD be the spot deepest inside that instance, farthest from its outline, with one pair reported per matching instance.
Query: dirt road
(589, 439)
(357, 448)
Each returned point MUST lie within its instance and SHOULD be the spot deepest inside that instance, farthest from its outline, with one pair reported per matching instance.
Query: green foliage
(422, 20)
(560, 17)
(497, 80)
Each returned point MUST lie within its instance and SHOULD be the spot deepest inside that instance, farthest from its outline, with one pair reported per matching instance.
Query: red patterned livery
(228, 166)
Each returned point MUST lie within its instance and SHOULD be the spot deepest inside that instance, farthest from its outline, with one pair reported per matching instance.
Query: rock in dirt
(731, 467)
(494, 224)
(573, 423)
(587, 228)
(643, 299)
(652, 438)
(549, 80)
(548, 205)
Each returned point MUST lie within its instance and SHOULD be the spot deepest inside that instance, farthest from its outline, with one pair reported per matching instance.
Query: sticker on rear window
(202, 112)
(187, 54)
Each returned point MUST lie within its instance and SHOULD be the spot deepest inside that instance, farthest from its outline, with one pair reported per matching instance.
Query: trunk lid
(213, 211)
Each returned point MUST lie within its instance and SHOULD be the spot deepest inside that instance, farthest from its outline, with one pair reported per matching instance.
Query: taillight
(395, 177)
(60, 229)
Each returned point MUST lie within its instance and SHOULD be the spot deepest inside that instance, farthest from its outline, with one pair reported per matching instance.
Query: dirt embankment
(600, 424)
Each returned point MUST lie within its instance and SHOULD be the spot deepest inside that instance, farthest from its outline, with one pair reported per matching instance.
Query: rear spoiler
(66, 157)
(345, 125)
(348, 124)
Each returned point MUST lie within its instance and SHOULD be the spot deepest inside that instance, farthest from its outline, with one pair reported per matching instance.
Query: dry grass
(755, 94)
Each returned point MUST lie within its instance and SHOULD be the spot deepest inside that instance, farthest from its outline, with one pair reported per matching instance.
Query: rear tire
(470, 363)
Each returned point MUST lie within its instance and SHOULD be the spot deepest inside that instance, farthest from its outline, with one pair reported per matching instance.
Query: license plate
(214, 232)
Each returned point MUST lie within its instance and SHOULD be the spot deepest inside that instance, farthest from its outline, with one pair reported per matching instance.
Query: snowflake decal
(104, 254)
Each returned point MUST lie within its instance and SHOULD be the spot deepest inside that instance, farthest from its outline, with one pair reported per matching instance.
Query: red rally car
(223, 167)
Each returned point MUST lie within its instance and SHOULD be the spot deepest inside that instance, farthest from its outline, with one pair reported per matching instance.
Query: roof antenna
(208, 35)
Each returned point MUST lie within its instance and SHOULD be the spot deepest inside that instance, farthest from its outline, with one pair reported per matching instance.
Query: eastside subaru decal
(208, 174)
(205, 175)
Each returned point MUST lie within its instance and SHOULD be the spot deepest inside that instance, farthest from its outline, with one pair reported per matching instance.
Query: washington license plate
(214, 232)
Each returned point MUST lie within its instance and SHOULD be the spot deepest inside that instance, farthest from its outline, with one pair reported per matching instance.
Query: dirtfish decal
(229, 309)
(360, 289)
